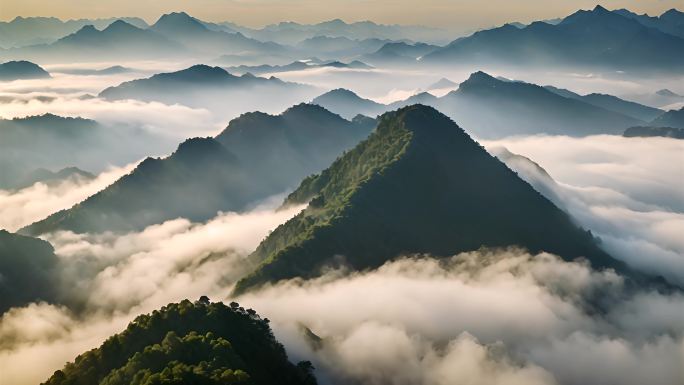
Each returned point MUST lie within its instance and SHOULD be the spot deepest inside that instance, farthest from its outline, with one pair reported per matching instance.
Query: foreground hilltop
(189, 343)
(418, 185)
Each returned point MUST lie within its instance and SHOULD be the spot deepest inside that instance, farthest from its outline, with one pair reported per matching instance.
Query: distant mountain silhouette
(596, 38)
(671, 22)
(442, 83)
(51, 141)
(256, 156)
(15, 70)
(292, 33)
(204, 86)
(25, 31)
(296, 66)
(612, 103)
(112, 70)
(490, 108)
(194, 34)
(379, 201)
(645, 132)
(348, 104)
(119, 40)
(672, 118)
(46, 176)
(27, 268)
(399, 53)
(339, 47)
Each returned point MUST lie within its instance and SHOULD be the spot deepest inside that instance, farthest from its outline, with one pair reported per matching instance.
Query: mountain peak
(196, 148)
(599, 9)
(667, 92)
(177, 22)
(418, 185)
(479, 78)
(672, 13)
(120, 26)
(88, 28)
(200, 72)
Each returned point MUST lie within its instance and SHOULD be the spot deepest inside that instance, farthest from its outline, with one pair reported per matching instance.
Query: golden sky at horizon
(451, 14)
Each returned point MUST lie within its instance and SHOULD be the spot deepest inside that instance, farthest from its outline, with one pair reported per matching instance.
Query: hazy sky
(454, 14)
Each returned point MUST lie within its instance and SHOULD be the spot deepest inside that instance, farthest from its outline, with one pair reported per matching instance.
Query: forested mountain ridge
(189, 343)
(418, 185)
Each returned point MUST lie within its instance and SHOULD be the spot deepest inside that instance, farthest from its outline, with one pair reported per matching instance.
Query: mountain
(612, 103)
(15, 70)
(118, 41)
(23, 31)
(672, 118)
(111, 70)
(424, 98)
(203, 86)
(442, 83)
(400, 52)
(190, 32)
(256, 156)
(200, 178)
(645, 132)
(378, 202)
(51, 141)
(348, 104)
(592, 39)
(490, 107)
(494, 108)
(27, 267)
(671, 22)
(290, 33)
(48, 177)
(295, 66)
(339, 47)
(282, 149)
(189, 343)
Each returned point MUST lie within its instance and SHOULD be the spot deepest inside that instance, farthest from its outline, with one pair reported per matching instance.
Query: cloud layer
(627, 191)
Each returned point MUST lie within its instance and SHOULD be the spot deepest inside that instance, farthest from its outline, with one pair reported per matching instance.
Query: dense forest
(199, 343)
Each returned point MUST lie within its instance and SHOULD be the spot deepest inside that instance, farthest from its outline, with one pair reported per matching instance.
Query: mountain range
(645, 132)
(49, 141)
(586, 39)
(256, 156)
(118, 41)
(291, 33)
(214, 88)
(671, 22)
(491, 107)
(418, 185)
(23, 31)
(15, 70)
